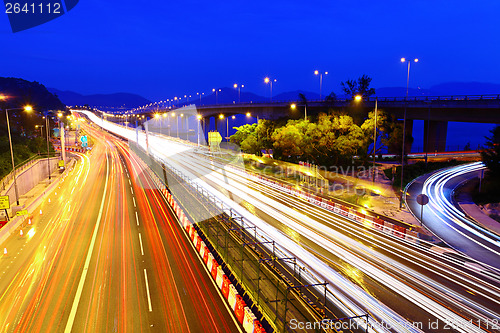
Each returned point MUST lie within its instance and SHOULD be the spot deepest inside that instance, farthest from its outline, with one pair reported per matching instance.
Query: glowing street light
(358, 98)
(27, 108)
(270, 81)
(316, 72)
(216, 91)
(239, 90)
(401, 196)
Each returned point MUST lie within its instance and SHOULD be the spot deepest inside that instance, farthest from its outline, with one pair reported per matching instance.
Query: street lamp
(293, 106)
(199, 118)
(270, 81)
(375, 138)
(182, 125)
(316, 72)
(239, 90)
(176, 123)
(47, 132)
(408, 61)
(200, 96)
(27, 108)
(41, 128)
(216, 94)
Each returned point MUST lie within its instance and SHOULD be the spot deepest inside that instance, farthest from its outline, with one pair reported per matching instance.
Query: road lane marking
(140, 241)
(147, 290)
(129, 182)
(137, 218)
(131, 190)
(76, 301)
(134, 201)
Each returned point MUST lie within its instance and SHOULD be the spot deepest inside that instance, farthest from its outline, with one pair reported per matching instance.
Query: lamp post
(374, 140)
(27, 109)
(293, 106)
(47, 132)
(200, 96)
(176, 123)
(182, 125)
(41, 129)
(221, 117)
(316, 72)
(270, 81)
(216, 95)
(198, 117)
(401, 196)
(236, 86)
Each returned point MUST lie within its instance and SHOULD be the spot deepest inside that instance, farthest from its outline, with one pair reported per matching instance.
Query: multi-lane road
(398, 283)
(106, 254)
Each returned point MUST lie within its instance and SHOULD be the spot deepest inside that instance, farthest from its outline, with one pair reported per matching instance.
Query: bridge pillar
(435, 135)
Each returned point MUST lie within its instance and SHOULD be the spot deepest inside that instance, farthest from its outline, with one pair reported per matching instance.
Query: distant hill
(443, 89)
(101, 100)
(466, 88)
(21, 92)
(294, 96)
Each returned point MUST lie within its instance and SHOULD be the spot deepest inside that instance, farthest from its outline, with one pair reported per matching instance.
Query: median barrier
(239, 310)
(231, 297)
(215, 265)
(198, 243)
(205, 256)
(225, 286)
(210, 262)
(219, 279)
(249, 320)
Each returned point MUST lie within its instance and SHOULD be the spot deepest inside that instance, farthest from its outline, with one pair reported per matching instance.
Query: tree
(242, 133)
(361, 86)
(288, 140)
(491, 155)
(383, 128)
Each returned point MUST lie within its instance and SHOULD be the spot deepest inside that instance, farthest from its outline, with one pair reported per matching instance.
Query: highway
(396, 282)
(448, 222)
(107, 255)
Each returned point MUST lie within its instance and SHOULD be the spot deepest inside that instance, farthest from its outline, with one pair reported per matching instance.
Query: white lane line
(140, 241)
(134, 201)
(129, 182)
(137, 218)
(76, 301)
(131, 190)
(147, 290)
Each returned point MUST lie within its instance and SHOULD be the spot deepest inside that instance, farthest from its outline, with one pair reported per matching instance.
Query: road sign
(4, 202)
(422, 199)
(22, 212)
(61, 164)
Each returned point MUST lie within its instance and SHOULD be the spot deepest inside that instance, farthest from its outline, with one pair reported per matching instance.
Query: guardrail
(458, 97)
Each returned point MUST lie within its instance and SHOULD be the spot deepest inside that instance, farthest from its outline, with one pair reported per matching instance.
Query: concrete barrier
(14, 223)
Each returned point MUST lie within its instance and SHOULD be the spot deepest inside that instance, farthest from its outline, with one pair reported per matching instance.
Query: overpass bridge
(436, 111)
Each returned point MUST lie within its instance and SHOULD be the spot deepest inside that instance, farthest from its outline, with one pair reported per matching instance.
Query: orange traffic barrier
(239, 310)
(215, 265)
(225, 286)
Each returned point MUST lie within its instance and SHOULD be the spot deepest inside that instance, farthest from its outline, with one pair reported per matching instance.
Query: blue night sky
(160, 49)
